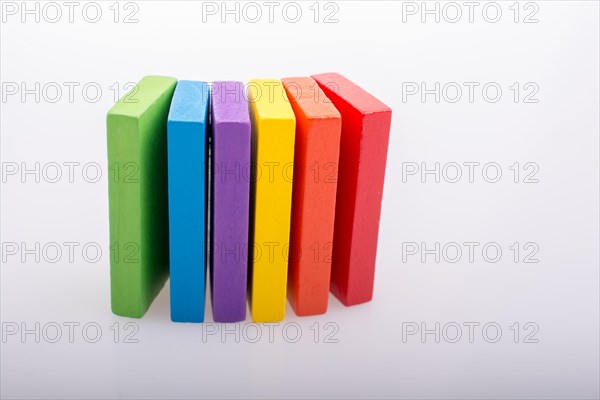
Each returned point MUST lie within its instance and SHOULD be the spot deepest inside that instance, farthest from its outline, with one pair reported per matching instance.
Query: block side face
(371, 176)
(271, 206)
(230, 212)
(298, 249)
(124, 215)
(229, 103)
(316, 159)
(187, 219)
(254, 122)
(323, 149)
(338, 88)
(190, 102)
(344, 226)
(139, 99)
(154, 246)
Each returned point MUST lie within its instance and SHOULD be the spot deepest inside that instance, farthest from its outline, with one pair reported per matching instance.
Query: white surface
(372, 46)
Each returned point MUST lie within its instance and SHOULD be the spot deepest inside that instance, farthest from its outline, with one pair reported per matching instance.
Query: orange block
(317, 149)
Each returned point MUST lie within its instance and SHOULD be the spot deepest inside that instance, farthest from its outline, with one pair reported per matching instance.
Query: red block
(316, 153)
(363, 151)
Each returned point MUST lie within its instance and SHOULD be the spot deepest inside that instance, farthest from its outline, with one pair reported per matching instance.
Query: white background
(384, 50)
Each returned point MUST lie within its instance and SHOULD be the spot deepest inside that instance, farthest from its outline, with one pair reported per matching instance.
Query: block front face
(318, 129)
(231, 141)
(273, 142)
(187, 149)
(136, 140)
(363, 151)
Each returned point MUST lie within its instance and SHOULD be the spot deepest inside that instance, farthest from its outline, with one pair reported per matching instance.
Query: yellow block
(273, 133)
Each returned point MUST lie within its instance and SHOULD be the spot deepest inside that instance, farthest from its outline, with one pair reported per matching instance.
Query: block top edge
(309, 98)
(141, 98)
(337, 86)
(190, 102)
(269, 99)
(229, 103)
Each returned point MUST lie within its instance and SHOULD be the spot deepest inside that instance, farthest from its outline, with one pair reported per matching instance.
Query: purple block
(231, 141)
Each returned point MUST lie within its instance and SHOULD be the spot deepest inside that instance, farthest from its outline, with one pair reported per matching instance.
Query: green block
(138, 195)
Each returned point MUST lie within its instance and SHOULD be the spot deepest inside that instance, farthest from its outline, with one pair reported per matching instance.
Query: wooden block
(273, 131)
(316, 154)
(187, 149)
(231, 141)
(137, 159)
(363, 152)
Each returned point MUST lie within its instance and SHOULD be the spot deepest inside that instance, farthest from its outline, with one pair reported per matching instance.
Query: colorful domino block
(316, 154)
(363, 152)
(187, 149)
(273, 152)
(231, 141)
(137, 159)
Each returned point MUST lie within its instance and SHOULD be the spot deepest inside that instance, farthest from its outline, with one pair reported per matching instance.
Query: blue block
(187, 146)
